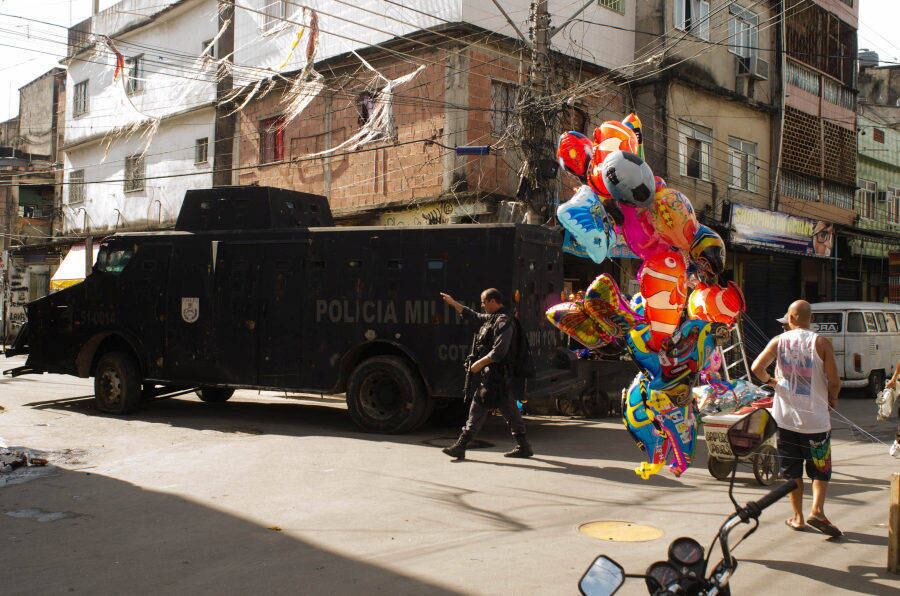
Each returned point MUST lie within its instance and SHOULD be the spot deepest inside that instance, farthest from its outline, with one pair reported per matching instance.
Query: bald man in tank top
(806, 384)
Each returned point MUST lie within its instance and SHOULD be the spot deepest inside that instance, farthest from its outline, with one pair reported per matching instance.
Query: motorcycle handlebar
(757, 507)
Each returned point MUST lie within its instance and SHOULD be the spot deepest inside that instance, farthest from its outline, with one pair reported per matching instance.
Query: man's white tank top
(801, 397)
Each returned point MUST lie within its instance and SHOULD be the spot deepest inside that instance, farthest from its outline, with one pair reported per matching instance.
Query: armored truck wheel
(385, 395)
(117, 383)
(214, 395)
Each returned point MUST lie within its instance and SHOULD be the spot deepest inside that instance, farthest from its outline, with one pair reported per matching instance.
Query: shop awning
(71, 270)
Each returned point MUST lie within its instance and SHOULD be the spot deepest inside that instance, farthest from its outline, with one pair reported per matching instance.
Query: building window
(693, 16)
(878, 135)
(80, 99)
(616, 5)
(742, 156)
(695, 150)
(271, 139)
(743, 33)
(275, 13)
(201, 150)
(893, 199)
(208, 48)
(135, 172)
(866, 197)
(134, 74)
(365, 107)
(76, 186)
(837, 194)
(503, 106)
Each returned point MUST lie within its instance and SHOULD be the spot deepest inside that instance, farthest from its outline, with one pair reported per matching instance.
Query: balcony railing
(819, 84)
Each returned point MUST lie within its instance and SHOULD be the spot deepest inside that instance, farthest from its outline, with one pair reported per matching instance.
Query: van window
(891, 322)
(882, 324)
(827, 322)
(111, 260)
(855, 323)
(870, 322)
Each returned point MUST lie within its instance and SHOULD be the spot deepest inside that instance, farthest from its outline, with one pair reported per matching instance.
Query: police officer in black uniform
(494, 358)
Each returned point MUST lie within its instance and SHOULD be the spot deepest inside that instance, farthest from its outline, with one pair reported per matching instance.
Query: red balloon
(574, 153)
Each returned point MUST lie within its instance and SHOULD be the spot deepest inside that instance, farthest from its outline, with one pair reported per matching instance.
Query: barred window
(275, 14)
(201, 150)
(694, 150)
(76, 186)
(742, 157)
(503, 105)
(616, 5)
(135, 172)
(134, 74)
(80, 99)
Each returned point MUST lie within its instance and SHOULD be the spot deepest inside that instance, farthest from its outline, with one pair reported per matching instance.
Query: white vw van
(866, 340)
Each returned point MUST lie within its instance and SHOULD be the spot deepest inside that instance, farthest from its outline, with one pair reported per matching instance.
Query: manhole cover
(620, 531)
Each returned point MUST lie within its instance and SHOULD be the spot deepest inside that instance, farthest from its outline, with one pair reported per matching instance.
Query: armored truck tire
(214, 395)
(385, 395)
(117, 383)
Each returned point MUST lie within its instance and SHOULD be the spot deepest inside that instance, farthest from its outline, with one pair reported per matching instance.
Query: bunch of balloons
(670, 327)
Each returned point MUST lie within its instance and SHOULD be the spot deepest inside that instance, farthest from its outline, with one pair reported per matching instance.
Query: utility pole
(226, 121)
(537, 117)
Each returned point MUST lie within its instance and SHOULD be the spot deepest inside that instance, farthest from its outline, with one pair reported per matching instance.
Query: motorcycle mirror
(747, 434)
(603, 578)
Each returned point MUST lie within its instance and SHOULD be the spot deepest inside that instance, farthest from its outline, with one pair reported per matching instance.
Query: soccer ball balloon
(629, 179)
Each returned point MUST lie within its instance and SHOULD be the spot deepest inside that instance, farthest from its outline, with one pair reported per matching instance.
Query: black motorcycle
(685, 571)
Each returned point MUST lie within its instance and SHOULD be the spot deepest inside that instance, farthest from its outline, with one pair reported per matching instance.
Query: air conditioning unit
(759, 68)
(753, 67)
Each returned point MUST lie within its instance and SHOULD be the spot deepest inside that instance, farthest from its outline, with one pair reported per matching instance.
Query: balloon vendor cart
(764, 459)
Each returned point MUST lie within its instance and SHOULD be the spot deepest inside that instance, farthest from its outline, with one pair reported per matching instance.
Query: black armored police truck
(256, 288)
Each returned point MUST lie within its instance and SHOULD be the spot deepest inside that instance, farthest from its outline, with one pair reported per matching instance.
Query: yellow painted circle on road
(620, 531)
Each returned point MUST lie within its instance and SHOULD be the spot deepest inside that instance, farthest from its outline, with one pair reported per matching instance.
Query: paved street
(268, 495)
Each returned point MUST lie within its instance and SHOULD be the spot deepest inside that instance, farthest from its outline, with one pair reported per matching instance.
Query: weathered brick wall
(376, 173)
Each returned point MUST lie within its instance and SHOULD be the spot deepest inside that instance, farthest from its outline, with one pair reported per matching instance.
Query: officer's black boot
(458, 449)
(522, 448)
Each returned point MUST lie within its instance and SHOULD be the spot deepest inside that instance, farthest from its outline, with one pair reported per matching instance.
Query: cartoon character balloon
(673, 218)
(663, 283)
(629, 179)
(585, 218)
(570, 318)
(603, 301)
(708, 252)
(574, 152)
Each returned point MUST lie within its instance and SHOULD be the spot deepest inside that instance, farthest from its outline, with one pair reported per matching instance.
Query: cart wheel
(765, 465)
(720, 469)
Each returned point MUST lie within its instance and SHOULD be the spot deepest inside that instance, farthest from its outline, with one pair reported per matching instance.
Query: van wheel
(117, 384)
(385, 395)
(214, 395)
(876, 384)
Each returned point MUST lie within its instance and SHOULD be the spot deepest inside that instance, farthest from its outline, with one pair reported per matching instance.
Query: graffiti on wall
(426, 215)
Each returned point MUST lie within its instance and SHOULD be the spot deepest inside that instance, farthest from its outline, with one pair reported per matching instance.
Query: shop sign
(781, 232)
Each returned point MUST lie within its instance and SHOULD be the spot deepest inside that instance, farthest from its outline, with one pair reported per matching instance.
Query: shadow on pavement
(856, 578)
(108, 536)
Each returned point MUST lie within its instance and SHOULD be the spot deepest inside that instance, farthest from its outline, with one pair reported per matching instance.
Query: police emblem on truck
(190, 309)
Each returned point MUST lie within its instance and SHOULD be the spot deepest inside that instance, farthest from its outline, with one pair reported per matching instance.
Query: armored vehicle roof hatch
(251, 208)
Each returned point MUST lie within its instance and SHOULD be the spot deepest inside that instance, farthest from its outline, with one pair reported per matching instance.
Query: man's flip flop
(788, 523)
(824, 526)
